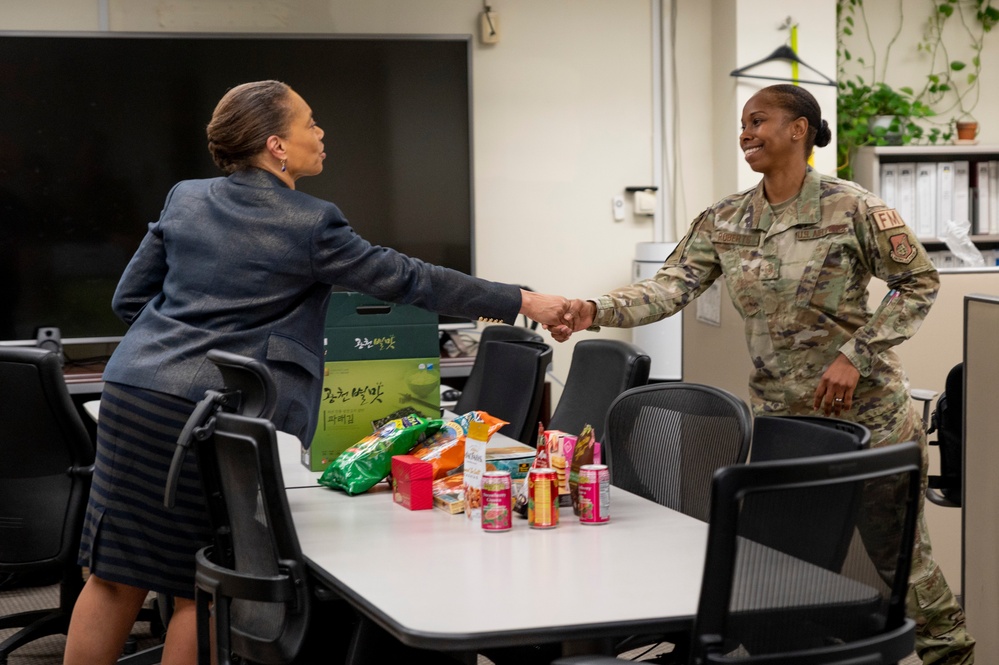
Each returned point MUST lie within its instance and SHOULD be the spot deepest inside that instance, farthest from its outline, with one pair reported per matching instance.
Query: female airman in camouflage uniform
(798, 252)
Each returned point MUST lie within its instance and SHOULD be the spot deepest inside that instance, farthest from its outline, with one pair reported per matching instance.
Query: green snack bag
(368, 462)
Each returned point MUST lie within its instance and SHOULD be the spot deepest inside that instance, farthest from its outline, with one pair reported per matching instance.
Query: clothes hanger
(782, 52)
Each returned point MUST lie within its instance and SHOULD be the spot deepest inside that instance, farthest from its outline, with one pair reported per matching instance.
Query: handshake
(558, 315)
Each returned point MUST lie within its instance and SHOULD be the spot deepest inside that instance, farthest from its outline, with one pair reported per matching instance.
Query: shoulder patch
(887, 219)
(902, 250)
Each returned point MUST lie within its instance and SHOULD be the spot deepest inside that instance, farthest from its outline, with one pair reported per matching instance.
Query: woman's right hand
(578, 316)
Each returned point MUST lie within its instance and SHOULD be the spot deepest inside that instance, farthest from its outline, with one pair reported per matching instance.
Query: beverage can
(594, 494)
(496, 501)
(542, 498)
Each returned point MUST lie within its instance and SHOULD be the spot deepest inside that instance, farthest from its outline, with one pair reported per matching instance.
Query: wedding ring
(838, 399)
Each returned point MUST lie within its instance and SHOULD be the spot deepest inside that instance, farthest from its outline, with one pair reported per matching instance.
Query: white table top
(439, 581)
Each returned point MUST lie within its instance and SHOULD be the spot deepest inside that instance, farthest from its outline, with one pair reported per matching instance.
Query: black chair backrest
(255, 573)
(511, 386)
(759, 604)
(664, 441)
(46, 455)
(248, 388)
(788, 437)
(601, 370)
(948, 423)
(497, 333)
(835, 513)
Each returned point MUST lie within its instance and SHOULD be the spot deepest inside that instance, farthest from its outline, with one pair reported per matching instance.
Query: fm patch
(888, 219)
(902, 250)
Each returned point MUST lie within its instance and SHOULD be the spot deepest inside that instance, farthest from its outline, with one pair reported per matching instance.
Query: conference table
(438, 581)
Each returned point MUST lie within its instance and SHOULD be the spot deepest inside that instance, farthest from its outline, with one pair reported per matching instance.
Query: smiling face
(302, 140)
(770, 139)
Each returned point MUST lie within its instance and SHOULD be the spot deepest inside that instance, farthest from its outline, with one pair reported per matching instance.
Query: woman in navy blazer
(243, 263)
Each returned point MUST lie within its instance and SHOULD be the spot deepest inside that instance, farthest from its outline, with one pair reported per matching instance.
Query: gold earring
(284, 165)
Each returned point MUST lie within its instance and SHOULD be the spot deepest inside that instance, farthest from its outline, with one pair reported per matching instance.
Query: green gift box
(380, 358)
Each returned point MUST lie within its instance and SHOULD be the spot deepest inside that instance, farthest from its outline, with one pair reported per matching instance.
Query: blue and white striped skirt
(128, 535)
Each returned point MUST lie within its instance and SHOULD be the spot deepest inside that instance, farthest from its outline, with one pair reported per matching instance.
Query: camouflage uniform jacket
(800, 284)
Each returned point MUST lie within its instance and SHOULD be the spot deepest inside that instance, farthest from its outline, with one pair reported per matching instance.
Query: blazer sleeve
(143, 278)
(343, 258)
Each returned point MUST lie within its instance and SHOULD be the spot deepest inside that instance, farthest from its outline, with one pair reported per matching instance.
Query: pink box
(411, 482)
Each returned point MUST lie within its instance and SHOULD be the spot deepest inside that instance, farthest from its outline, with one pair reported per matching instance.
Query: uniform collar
(807, 211)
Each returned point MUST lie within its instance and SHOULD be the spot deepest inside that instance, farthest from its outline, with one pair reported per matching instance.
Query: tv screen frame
(94, 153)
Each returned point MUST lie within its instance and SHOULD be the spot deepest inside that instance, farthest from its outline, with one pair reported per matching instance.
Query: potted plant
(950, 89)
(877, 114)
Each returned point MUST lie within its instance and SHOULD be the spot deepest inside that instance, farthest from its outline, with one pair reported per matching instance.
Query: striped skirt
(128, 535)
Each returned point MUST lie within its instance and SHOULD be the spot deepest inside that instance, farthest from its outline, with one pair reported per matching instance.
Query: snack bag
(445, 449)
(583, 454)
(368, 462)
(474, 466)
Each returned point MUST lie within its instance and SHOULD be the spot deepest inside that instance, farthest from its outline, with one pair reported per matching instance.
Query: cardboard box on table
(380, 358)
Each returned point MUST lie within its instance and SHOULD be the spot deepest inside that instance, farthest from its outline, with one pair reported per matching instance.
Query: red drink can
(496, 501)
(594, 494)
(542, 498)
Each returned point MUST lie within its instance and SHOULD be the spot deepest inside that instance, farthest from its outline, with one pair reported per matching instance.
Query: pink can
(496, 501)
(594, 494)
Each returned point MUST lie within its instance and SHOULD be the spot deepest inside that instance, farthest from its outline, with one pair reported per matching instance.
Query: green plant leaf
(957, 65)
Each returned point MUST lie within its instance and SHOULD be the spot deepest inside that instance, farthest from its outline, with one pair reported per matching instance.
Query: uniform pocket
(741, 268)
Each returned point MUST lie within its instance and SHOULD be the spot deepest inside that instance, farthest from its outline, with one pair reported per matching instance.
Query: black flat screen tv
(96, 128)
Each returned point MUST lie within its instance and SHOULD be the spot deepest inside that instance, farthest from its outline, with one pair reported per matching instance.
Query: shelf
(936, 152)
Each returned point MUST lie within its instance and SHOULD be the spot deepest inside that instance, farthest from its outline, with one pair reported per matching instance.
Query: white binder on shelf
(983, 219)
(945, 196)
(962, 198)
(905, 192)
(926, 200)
(889, 185)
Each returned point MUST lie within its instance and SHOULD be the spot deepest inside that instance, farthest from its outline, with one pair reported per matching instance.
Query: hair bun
(824, 135)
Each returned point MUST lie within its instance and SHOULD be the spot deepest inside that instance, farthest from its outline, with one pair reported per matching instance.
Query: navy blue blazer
(246, 264)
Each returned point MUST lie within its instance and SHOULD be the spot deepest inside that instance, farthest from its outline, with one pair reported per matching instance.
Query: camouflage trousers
(941, 635)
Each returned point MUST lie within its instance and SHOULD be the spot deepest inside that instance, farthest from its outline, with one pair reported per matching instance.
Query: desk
(520, 587)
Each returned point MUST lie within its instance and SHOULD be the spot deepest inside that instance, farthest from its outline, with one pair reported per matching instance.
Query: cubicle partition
(980, 531)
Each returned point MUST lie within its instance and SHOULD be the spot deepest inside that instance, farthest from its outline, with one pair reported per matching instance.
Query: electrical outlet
(489, 27)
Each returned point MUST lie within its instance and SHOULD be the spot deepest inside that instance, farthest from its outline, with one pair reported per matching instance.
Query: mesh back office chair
(254, 575)
(601, 369)
(762, 606)
(836, 508)
(510, 377)
(47, 465)
(664, 441)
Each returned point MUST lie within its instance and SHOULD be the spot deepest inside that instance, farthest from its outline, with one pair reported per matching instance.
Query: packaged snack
(583, 454)
(411, 482)
(448, 494)
(474, 468)
(368, 462)
(445, 449)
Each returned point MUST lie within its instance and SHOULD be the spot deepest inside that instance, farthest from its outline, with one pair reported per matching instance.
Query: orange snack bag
(445, 450)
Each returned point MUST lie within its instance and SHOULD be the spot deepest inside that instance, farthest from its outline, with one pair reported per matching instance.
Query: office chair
(509, 384)
(761, 606)
(663, 441)
(254, 578)
(497, 333)
(48, 461)
(947, 421)
(825, 539)
(601, 369)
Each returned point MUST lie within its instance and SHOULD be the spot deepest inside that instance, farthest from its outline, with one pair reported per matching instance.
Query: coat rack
(783, 52)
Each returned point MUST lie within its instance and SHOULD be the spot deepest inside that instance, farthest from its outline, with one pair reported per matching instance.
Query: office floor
(48, 650)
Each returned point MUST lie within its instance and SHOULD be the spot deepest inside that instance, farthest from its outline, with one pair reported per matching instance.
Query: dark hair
(243, 119)
(799, 103)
